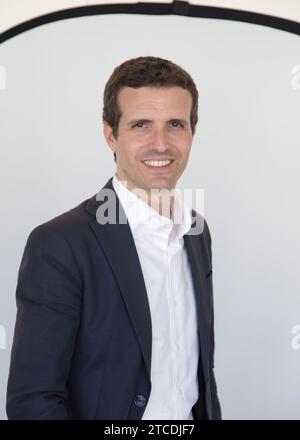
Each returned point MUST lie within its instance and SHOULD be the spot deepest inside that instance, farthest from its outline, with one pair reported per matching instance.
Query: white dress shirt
(166, 271)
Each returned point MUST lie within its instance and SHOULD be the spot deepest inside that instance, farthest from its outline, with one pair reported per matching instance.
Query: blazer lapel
(204, 315)
(118, 244)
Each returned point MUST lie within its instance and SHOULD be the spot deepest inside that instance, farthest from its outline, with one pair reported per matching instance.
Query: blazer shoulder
(204, 228)
(204, 235)
(70, 223)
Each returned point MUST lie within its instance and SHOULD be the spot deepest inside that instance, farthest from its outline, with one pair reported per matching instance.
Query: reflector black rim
(176, 8)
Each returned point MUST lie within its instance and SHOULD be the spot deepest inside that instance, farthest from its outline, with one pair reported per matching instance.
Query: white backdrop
(245, 156)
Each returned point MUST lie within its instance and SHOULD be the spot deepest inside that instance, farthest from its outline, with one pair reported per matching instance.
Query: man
(115, 319)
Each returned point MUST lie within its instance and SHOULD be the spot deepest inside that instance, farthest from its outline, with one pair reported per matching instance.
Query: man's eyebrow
(134, 121)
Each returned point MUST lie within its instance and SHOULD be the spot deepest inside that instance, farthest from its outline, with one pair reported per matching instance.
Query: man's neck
(160, 199)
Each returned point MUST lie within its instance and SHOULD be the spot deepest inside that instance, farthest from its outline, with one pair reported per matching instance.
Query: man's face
(155, 125)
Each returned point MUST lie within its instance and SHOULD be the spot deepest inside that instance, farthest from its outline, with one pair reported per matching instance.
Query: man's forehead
(151, 91)
(144, 99)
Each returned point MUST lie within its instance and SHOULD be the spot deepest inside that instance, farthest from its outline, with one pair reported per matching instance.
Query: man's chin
(157, 186)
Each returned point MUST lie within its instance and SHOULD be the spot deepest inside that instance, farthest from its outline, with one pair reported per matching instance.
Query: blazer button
(140, 400)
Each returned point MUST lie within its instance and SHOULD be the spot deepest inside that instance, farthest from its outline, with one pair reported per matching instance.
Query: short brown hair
(140, 72)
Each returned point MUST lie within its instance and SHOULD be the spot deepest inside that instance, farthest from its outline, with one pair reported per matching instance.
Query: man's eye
(178, 124)
(138, 124)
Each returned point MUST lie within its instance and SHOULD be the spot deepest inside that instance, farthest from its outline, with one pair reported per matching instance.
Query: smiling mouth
(158, 164)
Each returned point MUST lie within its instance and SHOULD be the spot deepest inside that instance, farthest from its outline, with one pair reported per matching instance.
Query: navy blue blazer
(82, 339)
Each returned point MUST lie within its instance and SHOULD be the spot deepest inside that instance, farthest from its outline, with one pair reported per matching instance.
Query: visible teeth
(157, 163)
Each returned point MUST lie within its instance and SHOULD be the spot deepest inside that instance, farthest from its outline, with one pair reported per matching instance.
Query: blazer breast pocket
(209, 274)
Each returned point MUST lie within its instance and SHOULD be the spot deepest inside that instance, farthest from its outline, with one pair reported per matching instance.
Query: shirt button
(175, 303)
(180, 391)
(140, 400)
(177, 347)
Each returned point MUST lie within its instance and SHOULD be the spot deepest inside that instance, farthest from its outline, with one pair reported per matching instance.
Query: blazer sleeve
(216, 408)
(48, 295)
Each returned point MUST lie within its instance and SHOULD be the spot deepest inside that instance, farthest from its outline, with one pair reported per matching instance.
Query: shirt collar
(140, 215)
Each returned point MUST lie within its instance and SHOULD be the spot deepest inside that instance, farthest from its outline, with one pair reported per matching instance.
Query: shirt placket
(174, 334)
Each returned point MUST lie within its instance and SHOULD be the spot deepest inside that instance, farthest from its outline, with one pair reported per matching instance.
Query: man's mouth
(158, 164)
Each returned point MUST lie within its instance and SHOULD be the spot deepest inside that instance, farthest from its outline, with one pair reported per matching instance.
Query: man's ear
(109, 137)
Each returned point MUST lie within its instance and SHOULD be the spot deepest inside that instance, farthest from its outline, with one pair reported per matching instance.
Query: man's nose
(160, 139)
